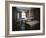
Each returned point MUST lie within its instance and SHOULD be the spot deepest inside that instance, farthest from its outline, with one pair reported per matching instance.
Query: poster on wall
(25, 19)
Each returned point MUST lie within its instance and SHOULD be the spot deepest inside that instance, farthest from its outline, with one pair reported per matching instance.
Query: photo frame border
(7, 3)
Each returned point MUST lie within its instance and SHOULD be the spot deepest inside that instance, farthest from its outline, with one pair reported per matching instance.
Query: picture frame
(23, 5)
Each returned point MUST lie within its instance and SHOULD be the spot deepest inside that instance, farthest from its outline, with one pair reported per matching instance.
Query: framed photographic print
(25, 18)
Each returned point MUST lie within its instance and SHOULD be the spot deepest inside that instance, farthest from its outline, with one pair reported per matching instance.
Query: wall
(2, 19)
